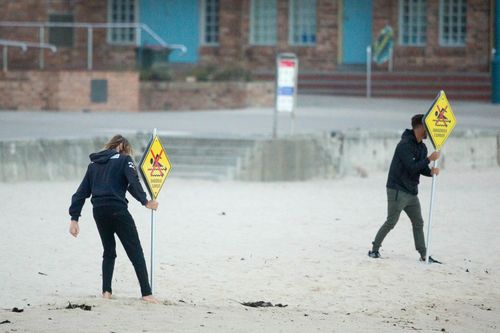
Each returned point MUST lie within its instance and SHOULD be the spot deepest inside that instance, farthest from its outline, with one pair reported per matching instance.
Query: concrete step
(454, 95)
(205, 160)
(203, 171)
(172, 141)
(396, 85)
(189, 150)
(464, 86)
(394, 89)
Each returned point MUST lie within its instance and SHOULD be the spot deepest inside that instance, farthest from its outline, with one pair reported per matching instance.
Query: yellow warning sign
(440, 121)
(155, 166)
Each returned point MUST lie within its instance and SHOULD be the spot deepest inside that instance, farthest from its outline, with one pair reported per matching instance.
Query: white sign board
(286, 82)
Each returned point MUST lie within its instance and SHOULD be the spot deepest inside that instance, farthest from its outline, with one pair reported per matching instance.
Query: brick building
(444, 35)
(449, 41)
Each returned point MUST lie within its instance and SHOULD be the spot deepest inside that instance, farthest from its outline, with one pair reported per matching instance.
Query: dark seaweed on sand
(262, 304)
(79, 306)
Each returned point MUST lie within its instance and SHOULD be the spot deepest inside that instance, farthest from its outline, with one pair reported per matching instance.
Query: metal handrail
(6, 43)
(90, 26)
(25, 45)
(143, 26)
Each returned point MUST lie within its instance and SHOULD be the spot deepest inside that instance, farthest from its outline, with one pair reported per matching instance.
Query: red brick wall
(106, 56)
(205, 95)
(67, 90)
(474, 57)
(234, 46)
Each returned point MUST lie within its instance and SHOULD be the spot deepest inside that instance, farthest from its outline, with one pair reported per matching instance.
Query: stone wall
(67, 90)
(205, 95)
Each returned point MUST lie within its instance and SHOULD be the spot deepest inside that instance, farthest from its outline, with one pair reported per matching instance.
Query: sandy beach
(302, 244)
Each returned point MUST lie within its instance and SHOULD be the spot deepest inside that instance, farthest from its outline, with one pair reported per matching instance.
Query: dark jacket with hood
(409, 162)
(109, 176)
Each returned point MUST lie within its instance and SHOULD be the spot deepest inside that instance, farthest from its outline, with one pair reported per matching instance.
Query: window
(263, 22)
(412, 22)
(122, 11)
(452, 22)
(302, 22)
(61, 36)
(210, 22)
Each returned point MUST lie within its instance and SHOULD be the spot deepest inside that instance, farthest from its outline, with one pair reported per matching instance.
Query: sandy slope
(301, 244)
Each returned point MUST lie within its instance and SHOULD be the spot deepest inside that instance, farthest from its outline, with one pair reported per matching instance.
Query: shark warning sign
(440, 121)
(155, 166)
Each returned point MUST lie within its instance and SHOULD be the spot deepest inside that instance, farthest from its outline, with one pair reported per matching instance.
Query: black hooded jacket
(108, 177)
(409, 162)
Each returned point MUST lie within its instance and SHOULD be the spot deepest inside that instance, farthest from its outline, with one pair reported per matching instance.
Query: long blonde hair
(117, 140)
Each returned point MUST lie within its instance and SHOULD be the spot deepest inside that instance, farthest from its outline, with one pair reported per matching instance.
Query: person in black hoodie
(110, 174)
(409, 162)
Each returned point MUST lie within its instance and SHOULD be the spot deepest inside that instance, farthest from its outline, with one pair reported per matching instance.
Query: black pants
(111, 220)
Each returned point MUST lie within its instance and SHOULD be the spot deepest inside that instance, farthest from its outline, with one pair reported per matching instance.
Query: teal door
(176, 22)
(357, 30)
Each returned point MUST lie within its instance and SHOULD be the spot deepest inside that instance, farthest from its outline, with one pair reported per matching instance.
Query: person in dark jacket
(110, 174)
(410, 160)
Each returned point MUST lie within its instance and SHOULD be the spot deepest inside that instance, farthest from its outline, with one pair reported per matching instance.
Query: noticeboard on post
(287, 66)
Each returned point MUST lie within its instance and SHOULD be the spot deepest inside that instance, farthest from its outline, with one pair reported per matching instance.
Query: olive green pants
(398, 201)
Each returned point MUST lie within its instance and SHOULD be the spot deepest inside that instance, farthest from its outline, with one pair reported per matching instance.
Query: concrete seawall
(294, 158)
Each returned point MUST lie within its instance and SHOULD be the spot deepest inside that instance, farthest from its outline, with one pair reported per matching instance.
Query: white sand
(301, 244)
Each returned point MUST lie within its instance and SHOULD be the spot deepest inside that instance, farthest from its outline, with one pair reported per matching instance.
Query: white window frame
(419, 24)
(254, 20)
(203, 41)
(460, 24)
(110, 20)
(291, 24)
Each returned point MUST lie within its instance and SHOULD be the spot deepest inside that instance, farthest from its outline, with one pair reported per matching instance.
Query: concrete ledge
(294, 158)
(363, 152)
(289, 159)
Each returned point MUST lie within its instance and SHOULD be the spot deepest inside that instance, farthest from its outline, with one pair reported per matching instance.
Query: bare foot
(150, 299)
(106, 295)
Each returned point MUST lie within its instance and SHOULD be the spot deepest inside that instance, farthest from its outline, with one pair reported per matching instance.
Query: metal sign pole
(429, 225)
(294, 115)
(275, 123)
(368, 71)
(152, 265)
(275, 116)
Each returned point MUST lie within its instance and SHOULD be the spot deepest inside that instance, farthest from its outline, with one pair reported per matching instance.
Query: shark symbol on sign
(155, 163)
(441, 119)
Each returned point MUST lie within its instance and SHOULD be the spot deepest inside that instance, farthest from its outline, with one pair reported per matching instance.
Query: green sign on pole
(382, 48)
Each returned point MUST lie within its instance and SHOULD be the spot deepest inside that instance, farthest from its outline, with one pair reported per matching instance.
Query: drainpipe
(495, 66)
